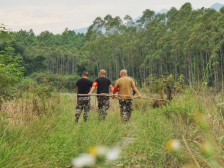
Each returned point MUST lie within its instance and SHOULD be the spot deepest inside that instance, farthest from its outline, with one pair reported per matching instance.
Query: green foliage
(184, 41)
(40, 95)
(156, 84)
(60, 82)
(180, 85)
(44, 91)
(10, 67)
(179, 42)
(148, 148)
(55, 53)
(166, 85)
(55, 140)
(11, 71)
(175, 121)
(3, 123)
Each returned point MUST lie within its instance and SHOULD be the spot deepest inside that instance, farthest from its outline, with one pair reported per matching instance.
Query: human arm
(136, 90)
(94, 86)
(77, 85)
(115, 89)
(110, 85)
(111, 88)
(91, 91)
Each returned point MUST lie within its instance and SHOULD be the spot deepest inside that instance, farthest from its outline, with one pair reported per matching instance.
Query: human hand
(113, 96)
(89, 94)
(139, 96)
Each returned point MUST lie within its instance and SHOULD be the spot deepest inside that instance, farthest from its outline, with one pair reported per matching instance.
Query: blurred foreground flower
(98, 150)
(84, 160)
(97, 154)
(207, 149)
(173, 145)
(113, 154)
(201, 120)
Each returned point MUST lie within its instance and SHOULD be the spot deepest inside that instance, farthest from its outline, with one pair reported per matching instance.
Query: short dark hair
(86, 73)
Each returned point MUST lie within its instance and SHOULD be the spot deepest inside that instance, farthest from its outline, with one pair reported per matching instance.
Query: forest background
(184, 41)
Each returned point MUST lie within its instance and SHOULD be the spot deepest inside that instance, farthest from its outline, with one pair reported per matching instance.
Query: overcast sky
(55, 15)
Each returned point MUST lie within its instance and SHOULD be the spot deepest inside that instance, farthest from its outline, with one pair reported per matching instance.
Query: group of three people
(124, 85)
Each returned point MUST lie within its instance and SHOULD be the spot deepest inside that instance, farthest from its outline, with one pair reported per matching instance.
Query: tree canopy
(184, 41)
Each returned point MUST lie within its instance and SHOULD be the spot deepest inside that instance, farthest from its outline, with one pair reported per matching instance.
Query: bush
(11, 71)
(30, 102)
(62, 83)
(166, 85)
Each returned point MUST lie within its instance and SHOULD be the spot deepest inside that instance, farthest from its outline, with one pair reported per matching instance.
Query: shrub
(11, 71)
(62, 83)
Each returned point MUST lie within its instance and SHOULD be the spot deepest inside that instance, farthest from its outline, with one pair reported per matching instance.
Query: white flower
(84, 160)
(113, 154)
(87, 160)
(173, 145)
(176, 145)
(101, 150)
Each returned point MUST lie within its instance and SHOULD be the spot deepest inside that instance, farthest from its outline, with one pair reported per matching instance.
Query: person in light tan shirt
(124, 85)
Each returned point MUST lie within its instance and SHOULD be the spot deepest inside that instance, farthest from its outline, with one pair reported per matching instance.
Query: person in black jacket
(103, 85)
(83, 86)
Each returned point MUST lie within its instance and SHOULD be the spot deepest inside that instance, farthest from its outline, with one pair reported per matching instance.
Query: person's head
(102, 73)
(85, 74)
(123, 73)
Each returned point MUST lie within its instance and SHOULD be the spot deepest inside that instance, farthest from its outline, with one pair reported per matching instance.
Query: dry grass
(27, 109)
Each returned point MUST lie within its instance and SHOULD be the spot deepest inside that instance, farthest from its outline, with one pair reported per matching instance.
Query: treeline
(47, 52)
(184, 41)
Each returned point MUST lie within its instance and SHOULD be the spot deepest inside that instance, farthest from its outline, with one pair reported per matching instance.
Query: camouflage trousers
(125, 109)
(103, 105)
(82, 103)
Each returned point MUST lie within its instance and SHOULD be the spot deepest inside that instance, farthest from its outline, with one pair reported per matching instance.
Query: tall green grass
(54, 139)
(190, 116)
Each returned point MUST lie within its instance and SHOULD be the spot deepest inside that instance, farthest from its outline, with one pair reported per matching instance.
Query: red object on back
(77, 88)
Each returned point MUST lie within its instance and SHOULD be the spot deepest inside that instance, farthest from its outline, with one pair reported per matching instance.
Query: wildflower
(98, 150)
(173, 145)
(113, 154)
(93, 151)
(84, 160)
(102, 150)
(98, 155)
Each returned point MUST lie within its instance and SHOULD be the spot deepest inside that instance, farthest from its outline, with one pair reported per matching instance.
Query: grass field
(54, 139)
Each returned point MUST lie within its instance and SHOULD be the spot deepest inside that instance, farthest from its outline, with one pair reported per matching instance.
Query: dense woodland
(184, 41)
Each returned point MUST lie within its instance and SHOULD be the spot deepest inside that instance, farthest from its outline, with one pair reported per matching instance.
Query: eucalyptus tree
(182, 41)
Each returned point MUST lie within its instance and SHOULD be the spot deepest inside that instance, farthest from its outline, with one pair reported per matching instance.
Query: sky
(56, 15)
